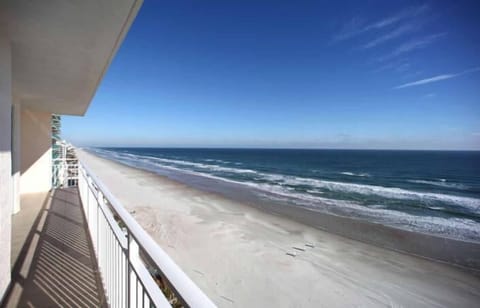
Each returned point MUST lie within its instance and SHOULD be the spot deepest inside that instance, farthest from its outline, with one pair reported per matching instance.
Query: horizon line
(280, 148)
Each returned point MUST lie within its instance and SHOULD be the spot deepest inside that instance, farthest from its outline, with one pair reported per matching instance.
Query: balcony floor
(57, 265)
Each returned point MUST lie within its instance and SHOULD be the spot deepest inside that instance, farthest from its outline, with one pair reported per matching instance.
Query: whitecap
(440, 183)
(316, 184)
(454, 227)
(355, 174)
(386, 192)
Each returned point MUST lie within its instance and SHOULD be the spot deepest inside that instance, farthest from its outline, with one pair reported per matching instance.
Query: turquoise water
(435, 192)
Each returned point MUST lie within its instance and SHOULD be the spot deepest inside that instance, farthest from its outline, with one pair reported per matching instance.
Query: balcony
(84, 249)
(56, 265)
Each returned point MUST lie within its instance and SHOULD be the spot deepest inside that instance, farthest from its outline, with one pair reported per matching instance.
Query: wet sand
(240, 255)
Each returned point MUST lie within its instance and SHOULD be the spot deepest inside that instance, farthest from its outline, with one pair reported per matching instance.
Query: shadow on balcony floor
(56, 266)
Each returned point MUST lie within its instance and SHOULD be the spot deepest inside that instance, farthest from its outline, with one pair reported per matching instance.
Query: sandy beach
(240, 255)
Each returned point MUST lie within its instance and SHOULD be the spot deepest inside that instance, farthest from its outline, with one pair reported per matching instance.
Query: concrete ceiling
(61, 49)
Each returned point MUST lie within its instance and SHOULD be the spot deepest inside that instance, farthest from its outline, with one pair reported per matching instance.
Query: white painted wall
(6, 187)
(16, 158)
(36, 153)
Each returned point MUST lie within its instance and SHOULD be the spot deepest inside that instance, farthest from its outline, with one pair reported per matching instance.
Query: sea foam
(440, 183)
(284, 187)
(472, 204)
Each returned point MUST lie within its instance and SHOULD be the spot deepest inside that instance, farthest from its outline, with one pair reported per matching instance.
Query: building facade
(53, 55)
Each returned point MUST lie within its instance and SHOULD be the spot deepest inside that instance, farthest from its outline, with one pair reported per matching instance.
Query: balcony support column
(6, 186)
(16, 158)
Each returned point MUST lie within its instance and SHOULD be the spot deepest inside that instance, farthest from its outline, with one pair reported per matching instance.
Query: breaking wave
(355, 174)
(440, 183)
(312, 192)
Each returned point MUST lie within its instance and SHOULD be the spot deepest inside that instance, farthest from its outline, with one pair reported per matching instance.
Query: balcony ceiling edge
(62, 49)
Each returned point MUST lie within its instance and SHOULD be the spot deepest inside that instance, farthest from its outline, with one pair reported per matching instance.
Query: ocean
(433, 192)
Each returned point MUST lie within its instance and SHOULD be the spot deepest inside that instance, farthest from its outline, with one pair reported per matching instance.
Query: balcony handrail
(64, 172)
(189, 292)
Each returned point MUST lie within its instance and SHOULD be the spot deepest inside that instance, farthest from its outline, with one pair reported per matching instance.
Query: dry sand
(238, 254)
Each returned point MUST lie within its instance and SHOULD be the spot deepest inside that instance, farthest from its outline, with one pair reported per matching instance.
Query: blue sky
(308, 74)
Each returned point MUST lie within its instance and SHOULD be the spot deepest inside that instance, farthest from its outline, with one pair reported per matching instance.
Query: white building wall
(36, 151)
(6, 186)
(16, 117)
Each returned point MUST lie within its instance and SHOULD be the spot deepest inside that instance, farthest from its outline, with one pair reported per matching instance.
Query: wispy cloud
(404, 14)
(398, 65)
(357, 27)
(412, 45)
(437, 78)
(354, 27)
(390, 36)
(430, 95)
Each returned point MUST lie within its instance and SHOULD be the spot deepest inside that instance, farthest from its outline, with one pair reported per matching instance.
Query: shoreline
(191, 224)
(452, 251)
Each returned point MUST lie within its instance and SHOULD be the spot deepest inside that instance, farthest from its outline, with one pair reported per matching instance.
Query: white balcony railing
(123, 249)
(64, 172)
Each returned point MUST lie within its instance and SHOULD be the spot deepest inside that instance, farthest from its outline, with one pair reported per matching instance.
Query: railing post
(64, 173)
(133, 258)
(90, 196)
(127, 269)
(101, 202)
